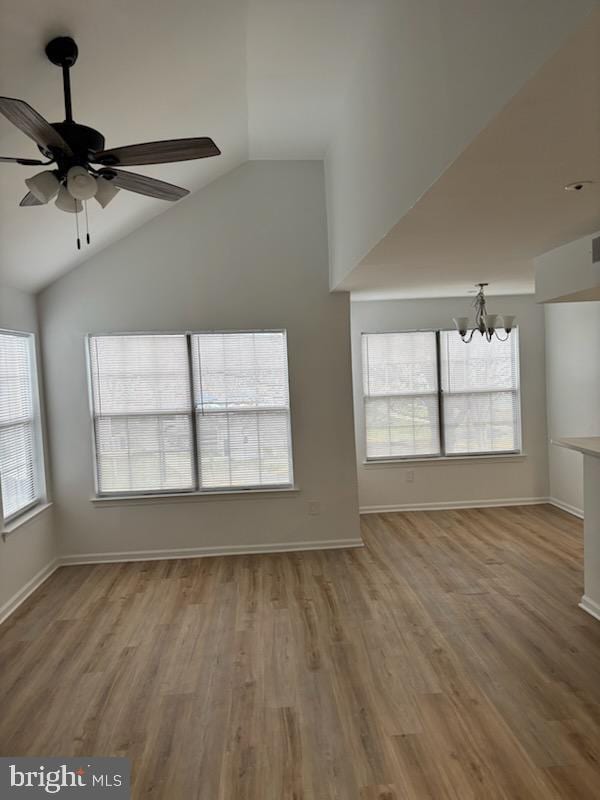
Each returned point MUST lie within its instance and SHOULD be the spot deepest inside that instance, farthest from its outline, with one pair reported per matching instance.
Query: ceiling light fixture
(66, 202)
(83, 167)
(105, 191)
(43, 186)
(486, 324)
(81, 185)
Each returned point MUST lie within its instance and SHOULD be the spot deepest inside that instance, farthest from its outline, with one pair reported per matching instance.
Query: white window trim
(442, 458)
(209, 495)
(23, 515)
(132, 498)
(24, 519)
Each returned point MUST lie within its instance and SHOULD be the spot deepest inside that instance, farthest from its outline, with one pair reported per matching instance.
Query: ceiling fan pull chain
(87, 226)
(77, 224)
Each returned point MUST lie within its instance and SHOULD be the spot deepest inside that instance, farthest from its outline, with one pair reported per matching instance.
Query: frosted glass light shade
(508, 322)
(43, 186)
(66, 202)
(462, 324)
(105, 191)
(81, 185)
(490, 320)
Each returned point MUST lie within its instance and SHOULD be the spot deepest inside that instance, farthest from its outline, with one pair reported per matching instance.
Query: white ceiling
(300, 57)
(265, 79)
(502, 202)
(261, 77)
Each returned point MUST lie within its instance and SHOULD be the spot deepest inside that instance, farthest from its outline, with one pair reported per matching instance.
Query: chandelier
(486, 324)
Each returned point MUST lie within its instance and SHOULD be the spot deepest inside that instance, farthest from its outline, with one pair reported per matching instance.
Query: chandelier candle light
(486, 324)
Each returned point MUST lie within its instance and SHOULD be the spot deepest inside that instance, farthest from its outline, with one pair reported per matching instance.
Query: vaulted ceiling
(270, 79)
(261, 78)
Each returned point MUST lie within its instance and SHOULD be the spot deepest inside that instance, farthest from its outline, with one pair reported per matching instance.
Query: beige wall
(29, 549)
(249, 251)
(464, 481)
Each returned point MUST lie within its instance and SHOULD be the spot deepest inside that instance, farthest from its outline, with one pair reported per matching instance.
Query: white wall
(31, 547)
(249, 251)
(572, 373)
(567, 273)
(431, 76)
(462, 481)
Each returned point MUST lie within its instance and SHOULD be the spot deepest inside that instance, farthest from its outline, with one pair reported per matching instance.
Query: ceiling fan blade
(29, 162)
(30, 200)
(158, 152)
(32, 124)
(142, 184)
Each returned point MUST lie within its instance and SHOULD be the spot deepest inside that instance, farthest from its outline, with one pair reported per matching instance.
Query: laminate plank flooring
(447, 659)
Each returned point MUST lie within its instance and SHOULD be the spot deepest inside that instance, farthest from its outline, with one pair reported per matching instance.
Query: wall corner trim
(23, 593)
(589, 605)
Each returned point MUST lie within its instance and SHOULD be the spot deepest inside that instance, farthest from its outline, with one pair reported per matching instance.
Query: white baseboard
(577, 512)
(450, 505)
(160, 555)
(19, 597)
(590, 606)
(204, 552)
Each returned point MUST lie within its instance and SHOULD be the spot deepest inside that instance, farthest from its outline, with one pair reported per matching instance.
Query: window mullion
(441, 428)
(195, 453)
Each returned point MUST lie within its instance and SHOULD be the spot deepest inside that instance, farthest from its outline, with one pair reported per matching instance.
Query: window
(242, 409)
(428, 394)
(401, 394)
(21, 453)
(142, 413)
(480, 388)
(190, 412)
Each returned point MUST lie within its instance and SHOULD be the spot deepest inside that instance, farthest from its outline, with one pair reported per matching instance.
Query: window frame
(443, 456)
(8, 522)
(196, 490)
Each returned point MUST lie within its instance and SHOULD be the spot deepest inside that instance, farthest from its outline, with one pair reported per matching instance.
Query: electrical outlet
(410, 476)
(314, 508)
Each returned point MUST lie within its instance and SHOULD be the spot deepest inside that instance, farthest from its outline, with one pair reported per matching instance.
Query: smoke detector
(578, 186)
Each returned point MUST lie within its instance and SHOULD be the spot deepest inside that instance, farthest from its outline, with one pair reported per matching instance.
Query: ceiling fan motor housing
(82, 140)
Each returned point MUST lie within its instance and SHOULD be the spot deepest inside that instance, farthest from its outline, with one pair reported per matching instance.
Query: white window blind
(242, 409)
(480, 384)
(142, 407)
(401, 394)
(21, 470)
(190, 412)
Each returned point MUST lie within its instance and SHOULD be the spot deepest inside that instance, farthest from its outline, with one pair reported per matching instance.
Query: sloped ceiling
(264, 78)
(150, 69)
(502, 202)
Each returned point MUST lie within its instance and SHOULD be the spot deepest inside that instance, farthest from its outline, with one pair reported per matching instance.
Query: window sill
(443, 460)
(193, 497)
(23, 519)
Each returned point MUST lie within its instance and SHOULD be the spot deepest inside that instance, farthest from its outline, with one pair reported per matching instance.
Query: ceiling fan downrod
(63, 52)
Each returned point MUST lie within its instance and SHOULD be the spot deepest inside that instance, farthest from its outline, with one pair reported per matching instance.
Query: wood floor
(446, 659)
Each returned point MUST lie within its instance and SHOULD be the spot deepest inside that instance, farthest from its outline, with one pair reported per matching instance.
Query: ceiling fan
(83, 169)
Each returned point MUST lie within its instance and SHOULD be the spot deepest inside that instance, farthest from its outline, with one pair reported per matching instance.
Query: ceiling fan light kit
(105, 191)
(485, 324)
(66, 202)
(43, 186)
(75, 149)
(80, 184)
